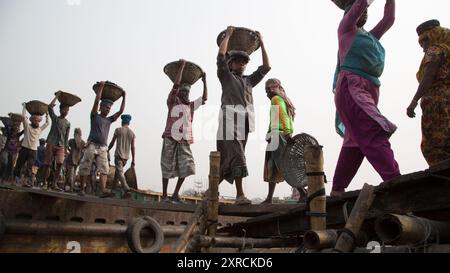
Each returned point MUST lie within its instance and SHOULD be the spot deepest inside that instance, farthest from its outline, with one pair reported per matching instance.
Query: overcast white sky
(51, 45)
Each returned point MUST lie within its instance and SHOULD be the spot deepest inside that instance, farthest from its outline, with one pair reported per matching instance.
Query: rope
(349, 233)
(308, 202)
(424, 244)
(318, 174)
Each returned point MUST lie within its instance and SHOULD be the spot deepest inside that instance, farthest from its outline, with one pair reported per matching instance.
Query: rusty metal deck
(226, 210)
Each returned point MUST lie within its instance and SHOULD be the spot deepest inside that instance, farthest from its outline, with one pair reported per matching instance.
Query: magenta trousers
(367, 132)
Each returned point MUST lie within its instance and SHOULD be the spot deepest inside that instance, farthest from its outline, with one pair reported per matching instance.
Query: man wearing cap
(176, 155)
(30, 142)
(76, 148)
(57, 142)
(97, 149)
(125, 138)
(434, 92)
(237, 116)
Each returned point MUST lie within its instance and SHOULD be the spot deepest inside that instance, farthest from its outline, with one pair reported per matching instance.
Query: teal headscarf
(126, 119)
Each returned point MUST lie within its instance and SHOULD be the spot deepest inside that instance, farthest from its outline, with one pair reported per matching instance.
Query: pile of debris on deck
(408, 214)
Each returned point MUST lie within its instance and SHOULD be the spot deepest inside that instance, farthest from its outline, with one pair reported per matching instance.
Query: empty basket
(130, 177)
(293, 160)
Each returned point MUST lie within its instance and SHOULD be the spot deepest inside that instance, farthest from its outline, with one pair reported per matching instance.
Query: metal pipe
(320, 239)
(236, 242)
(402, 229)
(59, 228)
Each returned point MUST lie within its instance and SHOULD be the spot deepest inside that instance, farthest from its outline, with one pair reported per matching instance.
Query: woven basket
(242, 39)
(293, 161)
(111, 91)
(130, 177)
(342, 4)
(16, 117)
(36, 107)
(191, 73)
(68, 99)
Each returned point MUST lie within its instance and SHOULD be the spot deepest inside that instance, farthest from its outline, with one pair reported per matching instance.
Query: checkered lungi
(176, 159)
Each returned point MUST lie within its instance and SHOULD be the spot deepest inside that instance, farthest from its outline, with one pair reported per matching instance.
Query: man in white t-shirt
(30, 143)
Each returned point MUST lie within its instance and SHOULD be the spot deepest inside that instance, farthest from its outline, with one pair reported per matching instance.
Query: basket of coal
(36, 107)
(242, 39)
(15, 117)
(191, 73)
(111, 91)
(67, 98)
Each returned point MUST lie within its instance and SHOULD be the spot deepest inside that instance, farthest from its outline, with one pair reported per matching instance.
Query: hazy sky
(51, 45)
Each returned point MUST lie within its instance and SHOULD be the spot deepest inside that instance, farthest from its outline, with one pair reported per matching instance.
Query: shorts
(100, 155)
(54, 152)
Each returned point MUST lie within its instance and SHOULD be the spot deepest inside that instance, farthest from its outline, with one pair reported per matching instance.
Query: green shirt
(59, 132)
(279, 118)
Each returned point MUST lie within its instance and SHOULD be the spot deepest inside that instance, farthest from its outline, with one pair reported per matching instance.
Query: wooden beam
(213, 198)
(182, 243)
(347, 240)
(316, 187)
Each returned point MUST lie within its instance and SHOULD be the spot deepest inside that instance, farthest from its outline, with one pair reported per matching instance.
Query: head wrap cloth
(282, 93)
(437, 36)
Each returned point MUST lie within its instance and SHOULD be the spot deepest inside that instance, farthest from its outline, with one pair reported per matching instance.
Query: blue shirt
(100, 129)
